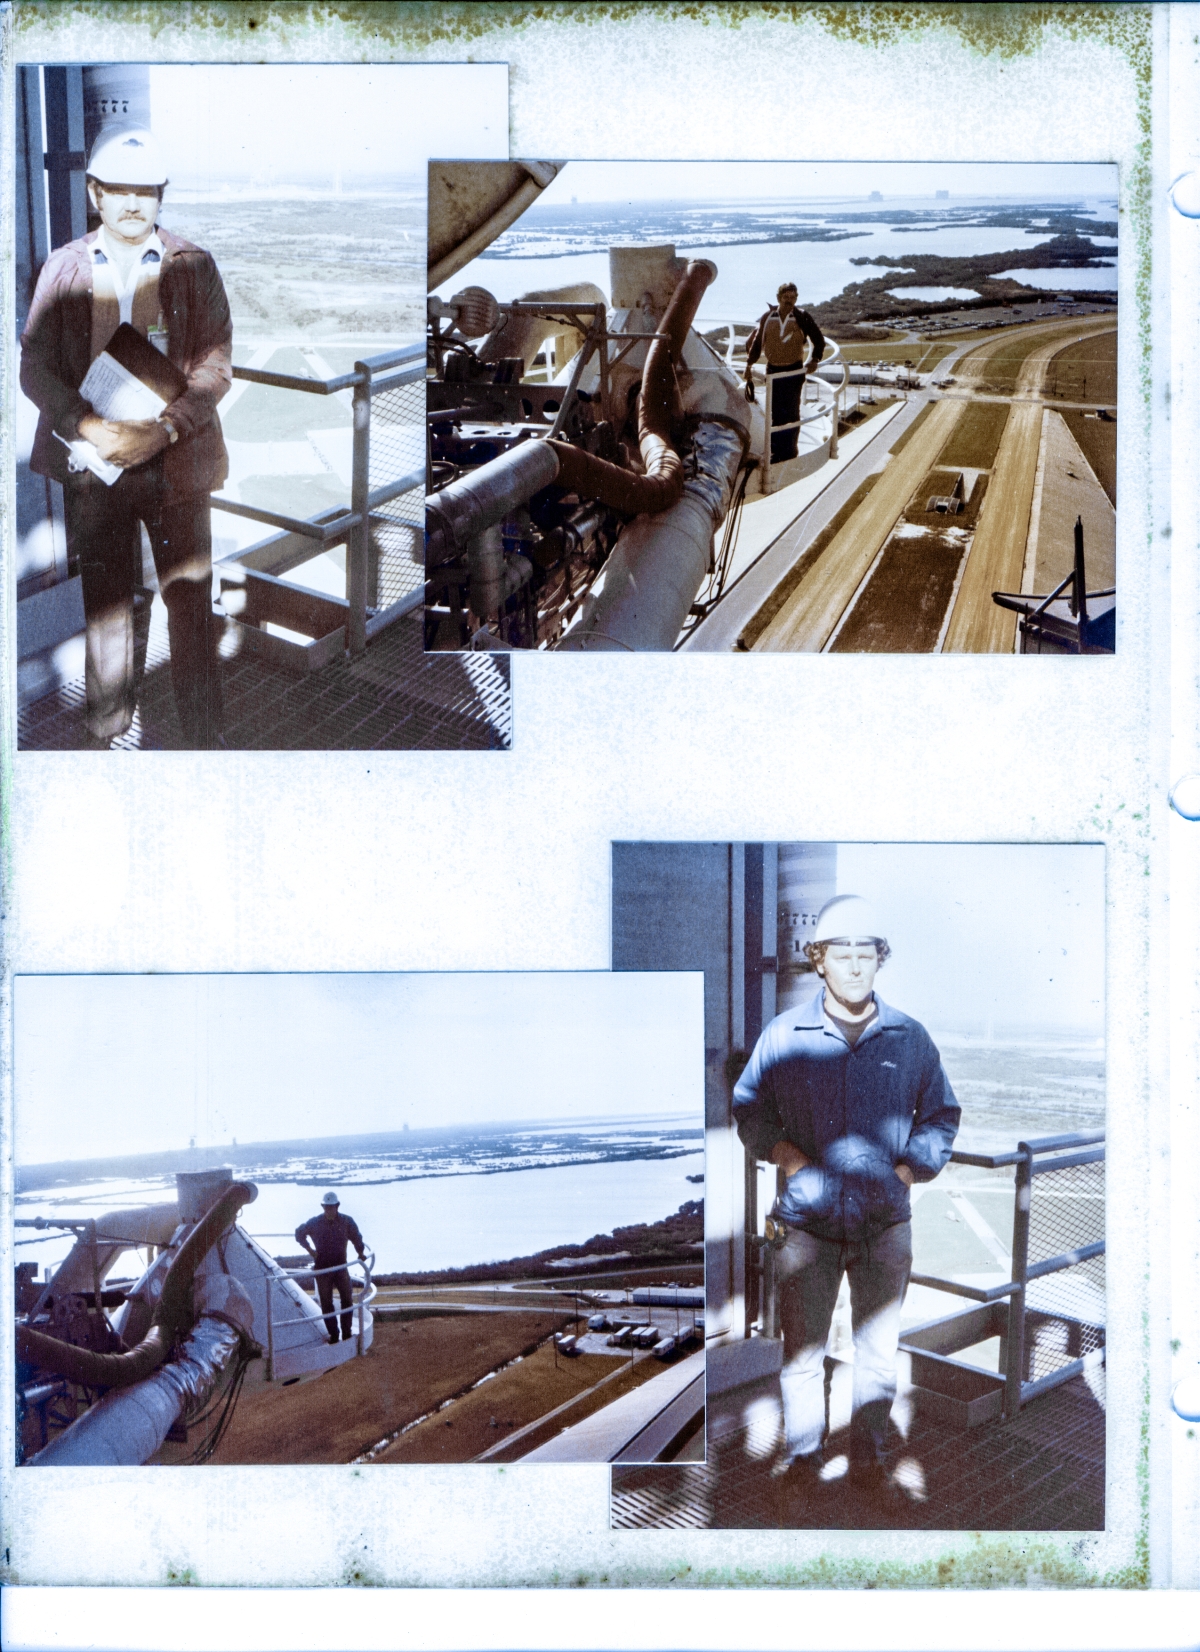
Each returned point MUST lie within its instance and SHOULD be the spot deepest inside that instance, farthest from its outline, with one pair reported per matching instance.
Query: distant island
(676, 1241)
(379, 1158)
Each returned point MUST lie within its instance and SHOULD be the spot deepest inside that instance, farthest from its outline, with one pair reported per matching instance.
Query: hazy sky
(137, 1063)
(266, 119)
(791, 180)
(1009, 931)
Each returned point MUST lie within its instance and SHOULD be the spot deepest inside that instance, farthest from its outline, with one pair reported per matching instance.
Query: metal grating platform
(1042, 1472)
(395, 697)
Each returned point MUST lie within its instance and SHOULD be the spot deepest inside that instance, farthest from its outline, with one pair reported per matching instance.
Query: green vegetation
(1098, 440)
(896, 351)
(860, 413)
(1004, 364)
(941, 481)
(1085, 371)
(975, 439)
(933, 354)
(902, 609)
(872, 298)
(645, 1243)
(782, 594)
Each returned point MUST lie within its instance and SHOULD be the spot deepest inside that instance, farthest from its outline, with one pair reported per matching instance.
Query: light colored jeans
(808, 1272)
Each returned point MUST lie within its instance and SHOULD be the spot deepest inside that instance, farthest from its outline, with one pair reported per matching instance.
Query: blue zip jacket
(856, 1113)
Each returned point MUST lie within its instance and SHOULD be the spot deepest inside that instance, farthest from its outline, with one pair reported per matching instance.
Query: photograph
(905, 1099)
(472, 1205)
(783, 407)
(219, 444)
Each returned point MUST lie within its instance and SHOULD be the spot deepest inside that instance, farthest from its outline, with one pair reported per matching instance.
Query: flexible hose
(662, 485)
(172, 1315)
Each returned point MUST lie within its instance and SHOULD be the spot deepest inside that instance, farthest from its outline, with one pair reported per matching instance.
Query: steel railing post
(767, 414)
(753, 1272)
(1014, 1374)
(601, 324)
(98, 1306)
(270, 1335)
(359, 538)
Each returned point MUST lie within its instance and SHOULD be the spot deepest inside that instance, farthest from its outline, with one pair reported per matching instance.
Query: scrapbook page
(706, 1118)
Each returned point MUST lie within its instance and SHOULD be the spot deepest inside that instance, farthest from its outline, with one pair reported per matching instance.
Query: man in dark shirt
(325, 1238)
(848, 1097)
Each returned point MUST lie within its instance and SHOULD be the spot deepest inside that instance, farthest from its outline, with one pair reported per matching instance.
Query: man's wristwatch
(172, 433)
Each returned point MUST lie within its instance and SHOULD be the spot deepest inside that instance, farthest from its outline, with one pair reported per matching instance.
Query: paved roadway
(995, 561)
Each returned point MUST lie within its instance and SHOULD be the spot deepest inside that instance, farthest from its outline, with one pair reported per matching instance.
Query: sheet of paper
(117, 394)
(86, 456)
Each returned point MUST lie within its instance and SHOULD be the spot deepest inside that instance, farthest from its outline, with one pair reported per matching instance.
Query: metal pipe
(484, 497)
(662, 484)
(129, 1425)
(172, 1315)
(485, 564)
(660, 561)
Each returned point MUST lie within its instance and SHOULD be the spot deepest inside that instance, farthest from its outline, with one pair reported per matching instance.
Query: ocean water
(536, 255)
(437, 1212)
(933, 295)
(1102, 280)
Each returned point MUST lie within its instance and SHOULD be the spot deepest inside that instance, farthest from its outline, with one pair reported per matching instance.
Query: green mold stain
(1009, 31)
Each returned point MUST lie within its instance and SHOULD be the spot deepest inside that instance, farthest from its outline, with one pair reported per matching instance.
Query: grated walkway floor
(395, 697)
(1042, 1472)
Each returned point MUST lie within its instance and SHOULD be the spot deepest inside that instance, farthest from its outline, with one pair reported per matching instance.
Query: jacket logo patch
(887, 1063)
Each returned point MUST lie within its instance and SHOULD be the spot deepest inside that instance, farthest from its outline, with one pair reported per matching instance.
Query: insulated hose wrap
(172, 1316)
(662, 485)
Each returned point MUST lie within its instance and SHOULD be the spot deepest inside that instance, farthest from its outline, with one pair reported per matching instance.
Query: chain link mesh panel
(1065, 1311)
(397, 527)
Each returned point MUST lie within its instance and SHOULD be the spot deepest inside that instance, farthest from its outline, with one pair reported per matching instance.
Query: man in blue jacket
(848, 1097)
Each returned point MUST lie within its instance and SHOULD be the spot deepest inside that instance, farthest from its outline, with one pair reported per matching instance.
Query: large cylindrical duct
(659, 562)
(130, 1424)
(807, 879)
(482, 498)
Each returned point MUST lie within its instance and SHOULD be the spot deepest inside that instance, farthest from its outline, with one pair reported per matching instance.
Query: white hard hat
(848, 918)
(331, 1198)
(126, 155)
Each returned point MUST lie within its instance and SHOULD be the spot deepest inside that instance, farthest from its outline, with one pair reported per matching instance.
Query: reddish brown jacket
(57, 339)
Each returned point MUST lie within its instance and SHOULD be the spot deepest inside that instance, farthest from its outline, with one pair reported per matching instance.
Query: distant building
(941, 194)
(875, 196)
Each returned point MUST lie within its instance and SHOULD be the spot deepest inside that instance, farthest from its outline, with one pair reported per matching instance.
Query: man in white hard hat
(325, 1238)
(131, 271)
(848, 1097)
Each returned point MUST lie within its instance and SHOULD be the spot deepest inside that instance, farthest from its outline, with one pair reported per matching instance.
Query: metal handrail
(357, 1307)
(1090, 1150)
(385, 371)
(823, 409)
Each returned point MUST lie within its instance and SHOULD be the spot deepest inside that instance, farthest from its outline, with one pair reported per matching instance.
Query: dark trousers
(808, 1273)
(327, 1283)
(785, 409)
(102, 530)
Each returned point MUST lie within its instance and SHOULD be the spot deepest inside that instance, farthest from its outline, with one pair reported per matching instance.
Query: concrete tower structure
(807, 878)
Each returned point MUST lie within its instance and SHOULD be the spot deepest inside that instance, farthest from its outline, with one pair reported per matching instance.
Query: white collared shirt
(125, 286)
